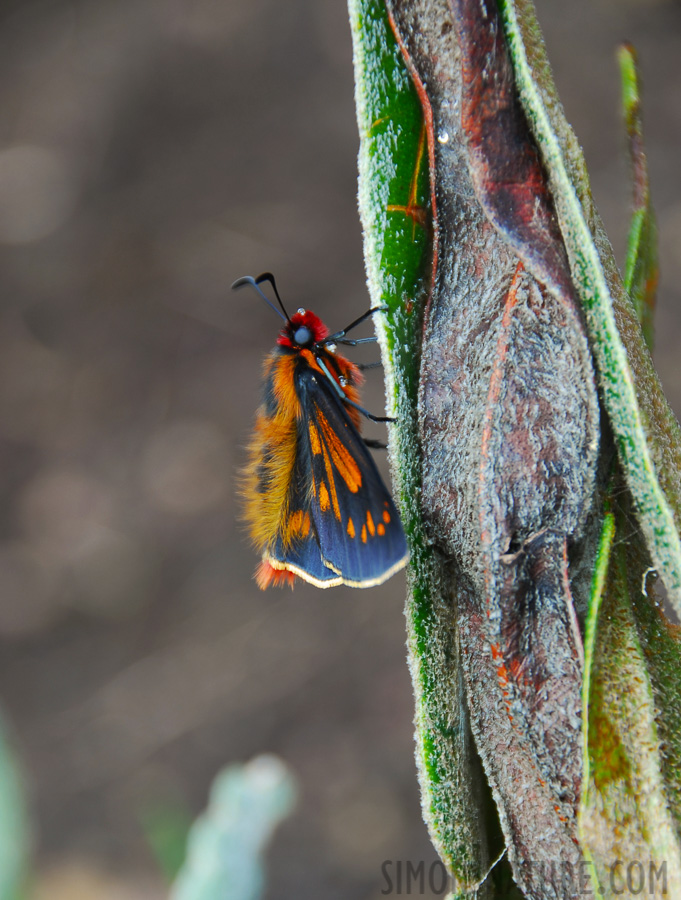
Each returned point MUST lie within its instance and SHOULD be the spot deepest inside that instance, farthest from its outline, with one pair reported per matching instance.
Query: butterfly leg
(374, 445)
(365, 412)
(364, 366)
(342, 396)
(351, 343)
(336, 338)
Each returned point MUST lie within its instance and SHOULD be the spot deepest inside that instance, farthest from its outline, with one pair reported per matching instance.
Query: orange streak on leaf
(413, 210)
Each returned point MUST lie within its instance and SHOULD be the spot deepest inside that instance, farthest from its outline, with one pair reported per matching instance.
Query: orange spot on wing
(341, 457)
(386, 516)
(315, 443)
(380, 528)
(296, 526)
(332, 484)
(334, 500)
(324, 501)
(351, 528)
(295, 522)
(370, 524)
(332, 487)
(364, 534)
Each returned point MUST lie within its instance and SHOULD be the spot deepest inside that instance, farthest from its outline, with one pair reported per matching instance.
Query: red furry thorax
(309, 320)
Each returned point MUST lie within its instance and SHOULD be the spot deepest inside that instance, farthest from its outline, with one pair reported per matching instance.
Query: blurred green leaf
(166, 827)
(226, 844)
(14, 831)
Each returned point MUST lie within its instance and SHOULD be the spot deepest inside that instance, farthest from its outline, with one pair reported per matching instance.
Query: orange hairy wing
(266, 479)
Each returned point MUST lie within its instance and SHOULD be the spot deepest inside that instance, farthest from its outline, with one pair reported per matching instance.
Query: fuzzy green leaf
(641, 267)
(394, 209)
(646, 432)
(629, 809)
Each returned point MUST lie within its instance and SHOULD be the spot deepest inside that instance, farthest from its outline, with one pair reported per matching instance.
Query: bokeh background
(151, 151)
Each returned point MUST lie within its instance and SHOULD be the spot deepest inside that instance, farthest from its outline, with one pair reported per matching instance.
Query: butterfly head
(302, 331)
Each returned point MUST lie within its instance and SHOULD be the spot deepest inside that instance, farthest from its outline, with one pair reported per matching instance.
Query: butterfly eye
(302, 336)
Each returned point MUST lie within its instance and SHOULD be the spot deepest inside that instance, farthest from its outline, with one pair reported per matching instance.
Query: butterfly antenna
(253, 282)
(268, 276)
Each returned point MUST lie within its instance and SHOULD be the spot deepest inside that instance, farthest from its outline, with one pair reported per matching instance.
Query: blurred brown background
(151, 151)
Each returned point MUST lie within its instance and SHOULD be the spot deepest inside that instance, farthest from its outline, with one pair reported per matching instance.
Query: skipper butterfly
(315, 503)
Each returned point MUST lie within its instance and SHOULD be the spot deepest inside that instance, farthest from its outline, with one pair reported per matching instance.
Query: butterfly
(315, 504)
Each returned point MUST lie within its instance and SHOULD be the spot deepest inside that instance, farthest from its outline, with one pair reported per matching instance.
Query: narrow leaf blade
(646, 432)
